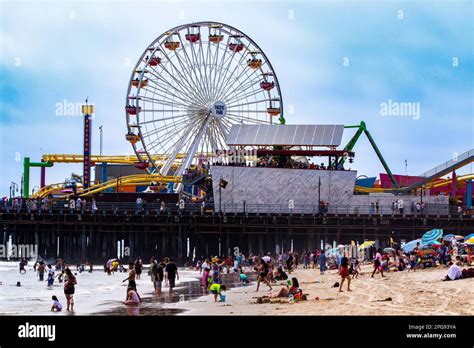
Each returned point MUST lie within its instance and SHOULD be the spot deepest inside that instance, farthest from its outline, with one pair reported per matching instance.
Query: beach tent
(432, 236)
(408, 247)
(367, 244)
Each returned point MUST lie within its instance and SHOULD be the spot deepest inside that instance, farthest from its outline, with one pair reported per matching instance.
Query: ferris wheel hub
(219, 109)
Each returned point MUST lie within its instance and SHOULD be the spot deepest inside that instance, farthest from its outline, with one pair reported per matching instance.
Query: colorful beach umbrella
(408, 247)
(367, 244)
(469, 241)
(432, 235)
(469, 236)
(434, 243)
(389, 250)
(450, 237)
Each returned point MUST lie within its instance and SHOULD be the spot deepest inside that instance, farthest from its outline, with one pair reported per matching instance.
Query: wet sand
(399, 293)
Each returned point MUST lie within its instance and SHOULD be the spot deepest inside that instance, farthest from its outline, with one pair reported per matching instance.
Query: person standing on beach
(322, 262)
(172, 272)
(344, 273)
(378, 263)
(289, 262)
(69, 289)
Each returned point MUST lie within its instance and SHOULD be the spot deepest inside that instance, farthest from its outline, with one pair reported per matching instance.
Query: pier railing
(62, 207)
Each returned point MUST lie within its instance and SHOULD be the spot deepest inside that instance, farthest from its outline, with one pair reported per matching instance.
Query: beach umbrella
(341, 246)
(367, 244)
(469, 236)
(432, 244)
(389, 250)
(408, 247)
(450, 237)
(432, 236)
(470, 241)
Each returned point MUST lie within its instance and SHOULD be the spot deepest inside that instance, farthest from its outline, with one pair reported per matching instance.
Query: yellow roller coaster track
(131, 159)
(130, 180)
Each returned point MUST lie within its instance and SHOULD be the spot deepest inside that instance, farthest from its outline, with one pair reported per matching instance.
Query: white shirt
(267, 258)
(454, 272)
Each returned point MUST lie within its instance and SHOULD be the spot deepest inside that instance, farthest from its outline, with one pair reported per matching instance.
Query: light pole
(33, 191)
(100, 129)
(319, 194)
(13, 185)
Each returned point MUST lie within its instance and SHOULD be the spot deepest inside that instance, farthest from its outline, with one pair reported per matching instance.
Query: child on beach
(243, 278)
(132, 298)
(412, 262)
(344, 272)
(378, 263)
(50, 275)
(290, 290)
(355, 269)
(132, 285)
(57, 306)
(217, 289)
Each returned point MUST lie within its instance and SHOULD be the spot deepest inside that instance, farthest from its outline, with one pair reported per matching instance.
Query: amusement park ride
(188, 89)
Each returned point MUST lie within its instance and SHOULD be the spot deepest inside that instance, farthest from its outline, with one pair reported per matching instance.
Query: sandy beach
(399, 293)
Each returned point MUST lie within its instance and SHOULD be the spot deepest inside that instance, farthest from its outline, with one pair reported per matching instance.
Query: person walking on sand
(344, 273)
(69, 289)
(378, 263)
(262, 274)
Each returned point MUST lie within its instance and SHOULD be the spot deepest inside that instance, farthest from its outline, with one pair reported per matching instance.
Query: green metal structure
(362, 128)
(26, 174)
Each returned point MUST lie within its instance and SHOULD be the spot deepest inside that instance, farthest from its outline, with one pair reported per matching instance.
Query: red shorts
(344, 272)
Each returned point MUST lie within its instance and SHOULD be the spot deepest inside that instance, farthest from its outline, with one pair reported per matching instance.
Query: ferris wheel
(189, 87)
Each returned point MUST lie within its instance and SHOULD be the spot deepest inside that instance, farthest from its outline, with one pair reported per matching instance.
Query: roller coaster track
(131, 159)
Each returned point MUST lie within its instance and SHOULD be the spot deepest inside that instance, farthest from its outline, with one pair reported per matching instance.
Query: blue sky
(401, 51)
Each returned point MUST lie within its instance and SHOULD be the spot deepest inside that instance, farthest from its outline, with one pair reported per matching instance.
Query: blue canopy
(432, 236)
(408, 247)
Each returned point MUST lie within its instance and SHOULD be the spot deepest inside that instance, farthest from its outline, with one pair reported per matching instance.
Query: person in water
(132, 298)
(57, 306)
(50, 275)
(69, 289)
(217, 289)
(132, 285)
